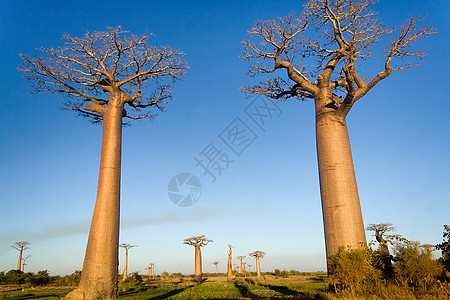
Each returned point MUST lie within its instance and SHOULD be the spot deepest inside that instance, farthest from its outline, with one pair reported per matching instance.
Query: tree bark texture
(100, 267)
(342, 217)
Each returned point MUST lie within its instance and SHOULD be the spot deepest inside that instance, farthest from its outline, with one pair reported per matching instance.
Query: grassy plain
(213, 287)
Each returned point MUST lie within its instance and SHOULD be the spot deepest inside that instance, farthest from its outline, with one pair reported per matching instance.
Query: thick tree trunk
(258, 270)
(125, 268)
(217, 270)
(342, 215)
(19, 264)
(198, 264)
(100, 268)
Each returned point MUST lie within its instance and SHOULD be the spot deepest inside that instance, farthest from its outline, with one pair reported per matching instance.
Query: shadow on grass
(34, 296)
(170, 294)
(245, 292)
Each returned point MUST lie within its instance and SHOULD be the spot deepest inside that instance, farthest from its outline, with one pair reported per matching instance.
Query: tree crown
(111, 62)
(348, 33)
(197, 241)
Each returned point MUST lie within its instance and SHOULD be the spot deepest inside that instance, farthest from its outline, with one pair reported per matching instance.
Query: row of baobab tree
(105, 74)
(198, 242)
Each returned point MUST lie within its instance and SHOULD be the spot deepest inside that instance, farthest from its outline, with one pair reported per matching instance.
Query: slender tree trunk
(198, 264)
(100, 268)
(229, 270)
(342, 215)
(217, 270)
(19, 264)
(258, 269)
(125, 268)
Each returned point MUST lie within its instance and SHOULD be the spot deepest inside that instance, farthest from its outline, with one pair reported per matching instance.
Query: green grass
(45, 293)
(217, 288)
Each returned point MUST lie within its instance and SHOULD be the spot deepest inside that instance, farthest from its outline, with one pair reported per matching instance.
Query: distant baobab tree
(151, 270)
(197, 242)
(243, 268)
(343, 35)
(125, 268)
(257, 255)
(229, 263)
(122, 68)
(384, 259)
(237, 268)
(24, 260)
(216, 263)
(20, 246)
(249, 271)
(241, 257)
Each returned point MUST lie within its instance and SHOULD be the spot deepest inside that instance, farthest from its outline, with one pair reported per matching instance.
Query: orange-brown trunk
(100, 268)
(342, 215)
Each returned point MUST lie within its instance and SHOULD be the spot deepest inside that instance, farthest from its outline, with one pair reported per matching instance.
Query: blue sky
(268, 199)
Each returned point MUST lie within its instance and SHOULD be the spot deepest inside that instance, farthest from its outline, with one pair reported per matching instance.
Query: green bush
(415, 266)
(352, 270)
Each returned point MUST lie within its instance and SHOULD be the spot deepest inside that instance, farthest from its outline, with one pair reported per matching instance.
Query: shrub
(415, 266)
(351, 270)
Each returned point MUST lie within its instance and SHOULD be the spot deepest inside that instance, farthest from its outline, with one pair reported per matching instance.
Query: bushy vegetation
(410, 272)
(41, 278)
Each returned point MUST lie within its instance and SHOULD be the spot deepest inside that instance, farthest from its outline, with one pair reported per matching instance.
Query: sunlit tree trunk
(19, 264)
(198, 264)
(258, 270)
(342, 215)
(125, 268)
(229, 265)
(100, 267)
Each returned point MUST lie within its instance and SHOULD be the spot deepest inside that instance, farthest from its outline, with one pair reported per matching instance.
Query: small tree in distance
(125, 268)
(257, 255)
(24, 262)
(197, 242)
(348, 32)
(105, 76)
(216, 263)
(241, 257)
(229, 263)
(20, 246)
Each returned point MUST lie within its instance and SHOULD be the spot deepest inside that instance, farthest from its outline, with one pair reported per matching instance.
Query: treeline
(406, 270)
(41, 278)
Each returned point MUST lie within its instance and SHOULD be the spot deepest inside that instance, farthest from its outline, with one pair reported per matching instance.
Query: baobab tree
(229, 263)
(382, 257)
(20, 246)
(151, 270)
(197, 242)
(257, 255)
(249, 270)
(241, 257)
(125, 267)
(216, 263)
(121, 68)
(348, 32)
(24, 262)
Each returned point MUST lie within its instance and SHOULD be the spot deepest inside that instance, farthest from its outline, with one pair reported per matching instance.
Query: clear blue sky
(268, 199)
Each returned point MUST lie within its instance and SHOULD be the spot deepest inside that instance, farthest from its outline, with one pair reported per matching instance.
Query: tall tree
(217, 268)
(257, 255)
(121, 68)
(229, 263)
(241, 257)
(20, 246)
(152, 270)
(348, 31)
(197, 242)
(249, 270)
(125, 267)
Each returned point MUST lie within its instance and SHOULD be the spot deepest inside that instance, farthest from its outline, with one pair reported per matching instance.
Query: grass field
(267, 287)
